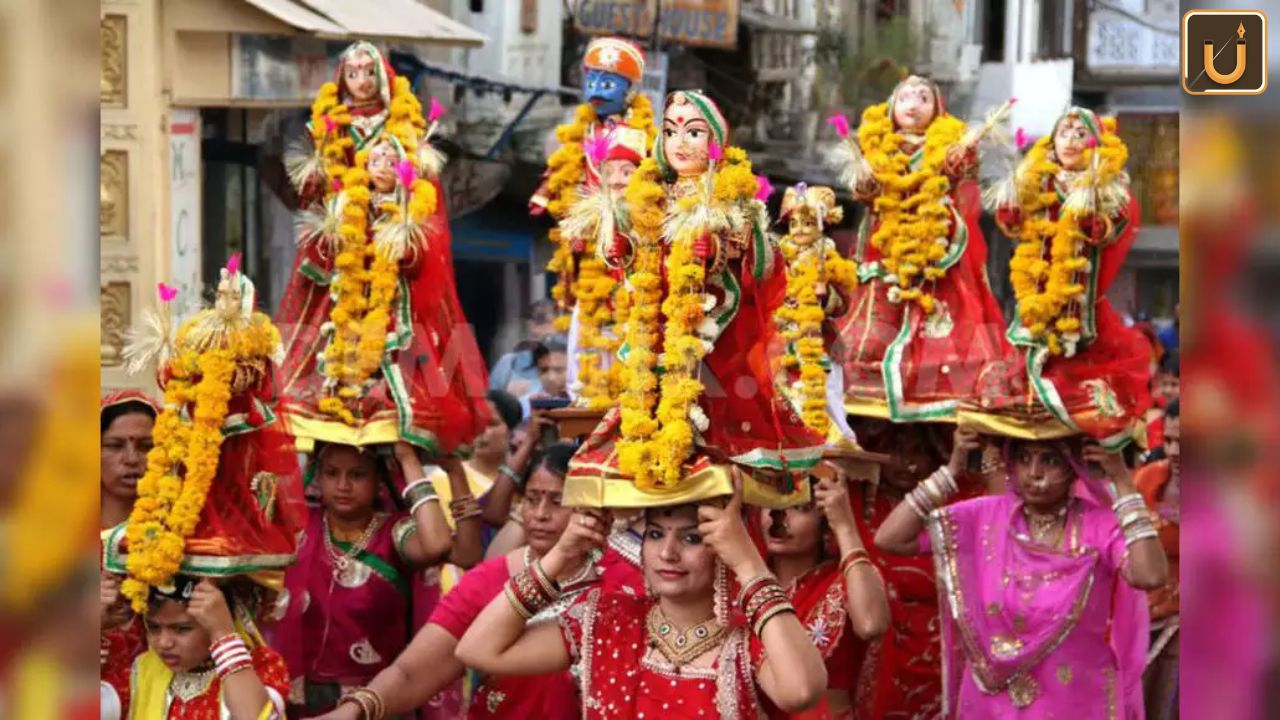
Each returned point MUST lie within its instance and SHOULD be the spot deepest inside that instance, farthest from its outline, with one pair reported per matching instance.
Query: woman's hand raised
(722, 528)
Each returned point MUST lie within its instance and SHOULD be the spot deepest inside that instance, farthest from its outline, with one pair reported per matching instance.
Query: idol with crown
(704, 280)
(1073, 218)
(923, 321)
(377, 347)
(610, 133)
(217, 515)
(820, 282)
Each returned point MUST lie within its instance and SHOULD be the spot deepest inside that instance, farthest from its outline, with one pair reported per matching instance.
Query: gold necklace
(681, 647)
(187, 686)
(342, 560)
(1043, 525)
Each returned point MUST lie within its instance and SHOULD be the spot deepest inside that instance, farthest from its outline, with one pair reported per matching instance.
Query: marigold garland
(566, 175)
(913, 216)
(1050, 293)
(184, 460)
(365, 282)
(656, 416)
(800, 321)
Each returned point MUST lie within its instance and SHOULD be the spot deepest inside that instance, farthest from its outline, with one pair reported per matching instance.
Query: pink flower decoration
(407, 172)
(764, 188)
(337, 185)
(436, 111)
(166, 291)
(714, 151)
(1020, 138)
(1093, 142)
(329, 125)
(840, 123)
(598, 147)
(233, 264)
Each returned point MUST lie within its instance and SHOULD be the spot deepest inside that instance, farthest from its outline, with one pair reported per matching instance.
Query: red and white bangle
(230, 655)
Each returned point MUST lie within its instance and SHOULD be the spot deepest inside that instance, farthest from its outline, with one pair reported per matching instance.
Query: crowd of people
(382, 598)
(814, 487)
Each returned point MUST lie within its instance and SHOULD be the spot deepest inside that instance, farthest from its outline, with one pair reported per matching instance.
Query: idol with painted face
(686, 135)
(1070, 140)
(361, 78)
(741, 281)
(923, 265)
(383, 160)
(1079, 360)
(915, 105)
(606, 92)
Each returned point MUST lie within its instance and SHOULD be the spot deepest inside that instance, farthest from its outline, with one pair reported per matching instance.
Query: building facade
(197, 98)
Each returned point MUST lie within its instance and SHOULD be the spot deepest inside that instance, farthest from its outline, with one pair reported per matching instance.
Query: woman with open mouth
(817, 553)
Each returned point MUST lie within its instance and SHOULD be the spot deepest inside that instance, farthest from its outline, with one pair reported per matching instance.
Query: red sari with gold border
(606, 636)
(750, 422)
(900, 364)
(820, 599)
(1102, 390)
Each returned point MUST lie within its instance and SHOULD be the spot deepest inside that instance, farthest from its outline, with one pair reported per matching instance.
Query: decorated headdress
(627, 143)
(817, 199)
(709, 111)
(386, 76)
(939, 107)
(197, 513)
(615, 55)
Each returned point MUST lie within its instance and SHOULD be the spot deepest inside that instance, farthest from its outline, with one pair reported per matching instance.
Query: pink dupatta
(1008, 604)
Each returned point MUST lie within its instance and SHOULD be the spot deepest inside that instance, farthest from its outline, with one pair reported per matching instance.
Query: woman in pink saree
(1040, 585)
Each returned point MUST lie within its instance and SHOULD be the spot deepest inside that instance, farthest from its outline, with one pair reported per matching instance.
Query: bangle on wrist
(418, 493)
(368, 701)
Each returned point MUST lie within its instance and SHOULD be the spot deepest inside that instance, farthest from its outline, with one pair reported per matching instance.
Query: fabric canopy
(409, 20)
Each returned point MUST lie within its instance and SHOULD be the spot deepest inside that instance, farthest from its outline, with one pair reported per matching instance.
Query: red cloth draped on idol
(216, 516)
(377, 347)
(704, 281)
(924, 320)
(907, 351)
(1073, 218)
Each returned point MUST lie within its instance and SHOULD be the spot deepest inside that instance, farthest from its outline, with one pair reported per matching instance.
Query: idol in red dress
(924, 321)
(377, 348)
(1074, 218)
(704, 282)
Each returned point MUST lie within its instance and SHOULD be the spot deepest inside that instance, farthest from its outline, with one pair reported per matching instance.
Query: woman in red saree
(676, 652)
(817, 553)
(429, 663)
(1074, 219)
(901, 673)
(923, 322)
(377, 347)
